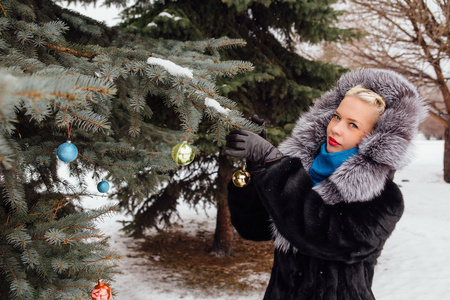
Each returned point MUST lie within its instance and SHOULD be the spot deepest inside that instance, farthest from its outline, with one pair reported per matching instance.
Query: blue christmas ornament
(103, 186)
(67, 152)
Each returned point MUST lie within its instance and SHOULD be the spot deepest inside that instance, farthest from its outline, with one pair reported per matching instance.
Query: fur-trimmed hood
(387, 148)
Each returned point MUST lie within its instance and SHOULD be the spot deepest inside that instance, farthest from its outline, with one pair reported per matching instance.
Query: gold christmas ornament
(241, 178)
(183, 154)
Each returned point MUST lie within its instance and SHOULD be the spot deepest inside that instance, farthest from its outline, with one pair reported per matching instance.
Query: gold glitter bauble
(183, 154)
(241, 178)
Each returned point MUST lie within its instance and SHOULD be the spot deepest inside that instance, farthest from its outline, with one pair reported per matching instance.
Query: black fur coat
(328, 237)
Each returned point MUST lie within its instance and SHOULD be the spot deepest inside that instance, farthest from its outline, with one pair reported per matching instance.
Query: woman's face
(352, 120)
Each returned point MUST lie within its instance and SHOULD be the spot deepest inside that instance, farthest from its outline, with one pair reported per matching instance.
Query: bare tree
(409, 36)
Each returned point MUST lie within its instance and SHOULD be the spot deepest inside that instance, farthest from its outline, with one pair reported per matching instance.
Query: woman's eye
(353, 125)
(335, 116)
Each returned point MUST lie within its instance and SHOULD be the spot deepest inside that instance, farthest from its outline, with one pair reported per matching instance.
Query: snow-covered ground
(414, 263)
(413, 266)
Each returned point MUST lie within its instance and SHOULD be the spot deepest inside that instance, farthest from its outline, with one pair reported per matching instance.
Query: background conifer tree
(282, 85)
(64, 76)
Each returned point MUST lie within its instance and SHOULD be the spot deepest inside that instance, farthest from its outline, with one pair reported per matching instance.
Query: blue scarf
(325, 163)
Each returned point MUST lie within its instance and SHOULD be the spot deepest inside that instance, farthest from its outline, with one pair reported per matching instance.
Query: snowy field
(413, 266)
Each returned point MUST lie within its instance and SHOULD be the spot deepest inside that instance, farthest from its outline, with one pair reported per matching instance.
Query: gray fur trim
(387, 148)
(279, 242)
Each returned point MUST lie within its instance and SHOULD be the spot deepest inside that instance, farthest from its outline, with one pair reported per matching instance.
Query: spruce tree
(282, 85)
(67, 77)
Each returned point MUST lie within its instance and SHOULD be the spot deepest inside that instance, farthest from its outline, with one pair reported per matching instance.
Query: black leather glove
(260, 122)
(246, 144)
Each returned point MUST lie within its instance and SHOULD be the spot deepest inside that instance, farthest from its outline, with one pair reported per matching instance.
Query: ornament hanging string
(100, 275)
(68, 124)
(69, 129)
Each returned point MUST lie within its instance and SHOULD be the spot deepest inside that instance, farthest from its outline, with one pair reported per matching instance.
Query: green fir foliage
(281, 86)
(56, 87)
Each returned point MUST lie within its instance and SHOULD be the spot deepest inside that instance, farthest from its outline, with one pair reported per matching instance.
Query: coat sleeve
(248, 215)
(348, 232)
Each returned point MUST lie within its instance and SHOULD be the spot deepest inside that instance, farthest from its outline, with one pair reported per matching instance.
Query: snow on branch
(213, 103)
(171, 67)
(170, 16)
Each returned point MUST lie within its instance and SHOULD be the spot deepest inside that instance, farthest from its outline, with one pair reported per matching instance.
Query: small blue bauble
(67, 152)
(103, 186)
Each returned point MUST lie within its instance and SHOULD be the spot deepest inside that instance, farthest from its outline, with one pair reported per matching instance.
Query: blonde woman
(325, 195)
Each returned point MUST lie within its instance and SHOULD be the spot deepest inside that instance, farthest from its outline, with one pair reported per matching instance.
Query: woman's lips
(332, 142)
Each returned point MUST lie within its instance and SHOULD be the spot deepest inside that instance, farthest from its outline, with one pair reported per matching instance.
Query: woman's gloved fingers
(241, 132)
(257, 120)
(235, 138)
(260, 122)
(235, 153)
(235, 145)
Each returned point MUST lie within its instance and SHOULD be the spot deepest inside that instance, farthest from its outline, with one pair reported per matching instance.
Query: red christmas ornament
(101, 291)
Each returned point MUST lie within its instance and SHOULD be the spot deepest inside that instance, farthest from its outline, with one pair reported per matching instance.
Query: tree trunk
(223, 236)
(447, 155)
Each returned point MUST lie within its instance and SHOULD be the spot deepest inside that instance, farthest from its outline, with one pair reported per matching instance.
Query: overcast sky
(109, 15)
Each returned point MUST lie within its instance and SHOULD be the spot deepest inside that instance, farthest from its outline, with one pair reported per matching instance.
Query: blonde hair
(368, 96)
